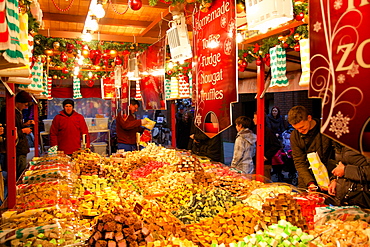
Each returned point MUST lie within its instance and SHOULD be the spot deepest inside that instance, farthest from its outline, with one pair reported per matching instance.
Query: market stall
(164, 197)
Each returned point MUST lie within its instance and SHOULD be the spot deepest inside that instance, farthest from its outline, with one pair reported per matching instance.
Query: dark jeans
(127, 147)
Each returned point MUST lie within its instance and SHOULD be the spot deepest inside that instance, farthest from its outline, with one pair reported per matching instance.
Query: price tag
(138, 208)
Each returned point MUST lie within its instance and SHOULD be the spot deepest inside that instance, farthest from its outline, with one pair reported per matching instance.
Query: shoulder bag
(358, 193)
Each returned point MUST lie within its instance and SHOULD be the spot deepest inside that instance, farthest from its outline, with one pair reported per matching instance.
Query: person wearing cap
(68, 128)
(22, 101)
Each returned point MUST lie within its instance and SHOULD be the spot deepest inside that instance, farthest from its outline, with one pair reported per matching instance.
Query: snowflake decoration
(354, 70)
(223, 21)
(339, 124)
(228, 47)
(341, 78)
(338, 4)
(198, 119)
(317, 26)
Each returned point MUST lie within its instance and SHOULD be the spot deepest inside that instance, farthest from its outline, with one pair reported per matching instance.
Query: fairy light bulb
(98, 10)
(87, 37)
(92, 23)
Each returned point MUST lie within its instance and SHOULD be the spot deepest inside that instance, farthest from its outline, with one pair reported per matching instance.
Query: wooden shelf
(275, 31)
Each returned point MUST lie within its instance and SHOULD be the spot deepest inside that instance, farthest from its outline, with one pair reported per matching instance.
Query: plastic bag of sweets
(309, 202)
(40, 176)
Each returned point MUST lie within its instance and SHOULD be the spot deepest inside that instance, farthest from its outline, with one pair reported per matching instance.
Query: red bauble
(92, 54)
(285, 45)
(70, 48)
(136, 4)
(299, 17)
(105, 62)
(118, 60)
(105, 56)
(90, 83)
(63, 57)
(65, 71)
(297, 47)
(244, 64)
(241, 69)
(169, 72)
(258, 62)
(267, 60)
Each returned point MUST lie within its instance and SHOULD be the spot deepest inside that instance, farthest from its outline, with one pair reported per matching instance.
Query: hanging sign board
(214, 70)
(340, 68)
(108, 88)
(152, 83)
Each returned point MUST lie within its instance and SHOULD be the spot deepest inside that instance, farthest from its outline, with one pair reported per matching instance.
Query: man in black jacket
(305, 139)
(22, 101)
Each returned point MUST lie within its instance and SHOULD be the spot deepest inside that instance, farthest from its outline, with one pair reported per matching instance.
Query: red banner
(340, 68)
(152, 84)
(214, 72)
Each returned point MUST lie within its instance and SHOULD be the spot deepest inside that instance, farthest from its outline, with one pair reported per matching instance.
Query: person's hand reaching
(339, 170)
(144, 121)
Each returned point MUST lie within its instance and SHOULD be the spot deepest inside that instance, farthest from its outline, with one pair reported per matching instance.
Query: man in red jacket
(128, 126)
(68, 128)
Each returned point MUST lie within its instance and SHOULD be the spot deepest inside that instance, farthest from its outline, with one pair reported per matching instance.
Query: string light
(87, 37)
(92, 23)
(98, 9)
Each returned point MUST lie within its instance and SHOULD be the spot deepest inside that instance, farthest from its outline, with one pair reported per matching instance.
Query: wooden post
(10, 146)
(260, 120)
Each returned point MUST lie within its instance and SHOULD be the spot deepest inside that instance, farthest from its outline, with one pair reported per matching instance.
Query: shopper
(202, 145)
(305, 139)
(245, 146)
(68, 128)
(22, 101)
(271, 147)
(353, 167)
(128, 126)
(183, 126)
(275, 122)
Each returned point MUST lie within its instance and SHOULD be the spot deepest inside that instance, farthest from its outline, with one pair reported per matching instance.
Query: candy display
(342, 233)
(282, 207)
(121, 227)
(281, 234)
(205, 205)
(226, 227)
(166, 197)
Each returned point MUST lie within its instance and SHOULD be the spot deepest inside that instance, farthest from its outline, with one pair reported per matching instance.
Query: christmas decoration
(278, 67)
(297, 47)
(63, 57)
(299, 17)
(305, 62)
(76, 88)
(50, 83)
(56, 45)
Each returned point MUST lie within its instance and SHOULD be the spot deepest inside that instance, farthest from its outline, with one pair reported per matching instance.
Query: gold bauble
(297, 36)
(56, 45)
(113, 53)
(48, 52)
(55, 77)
